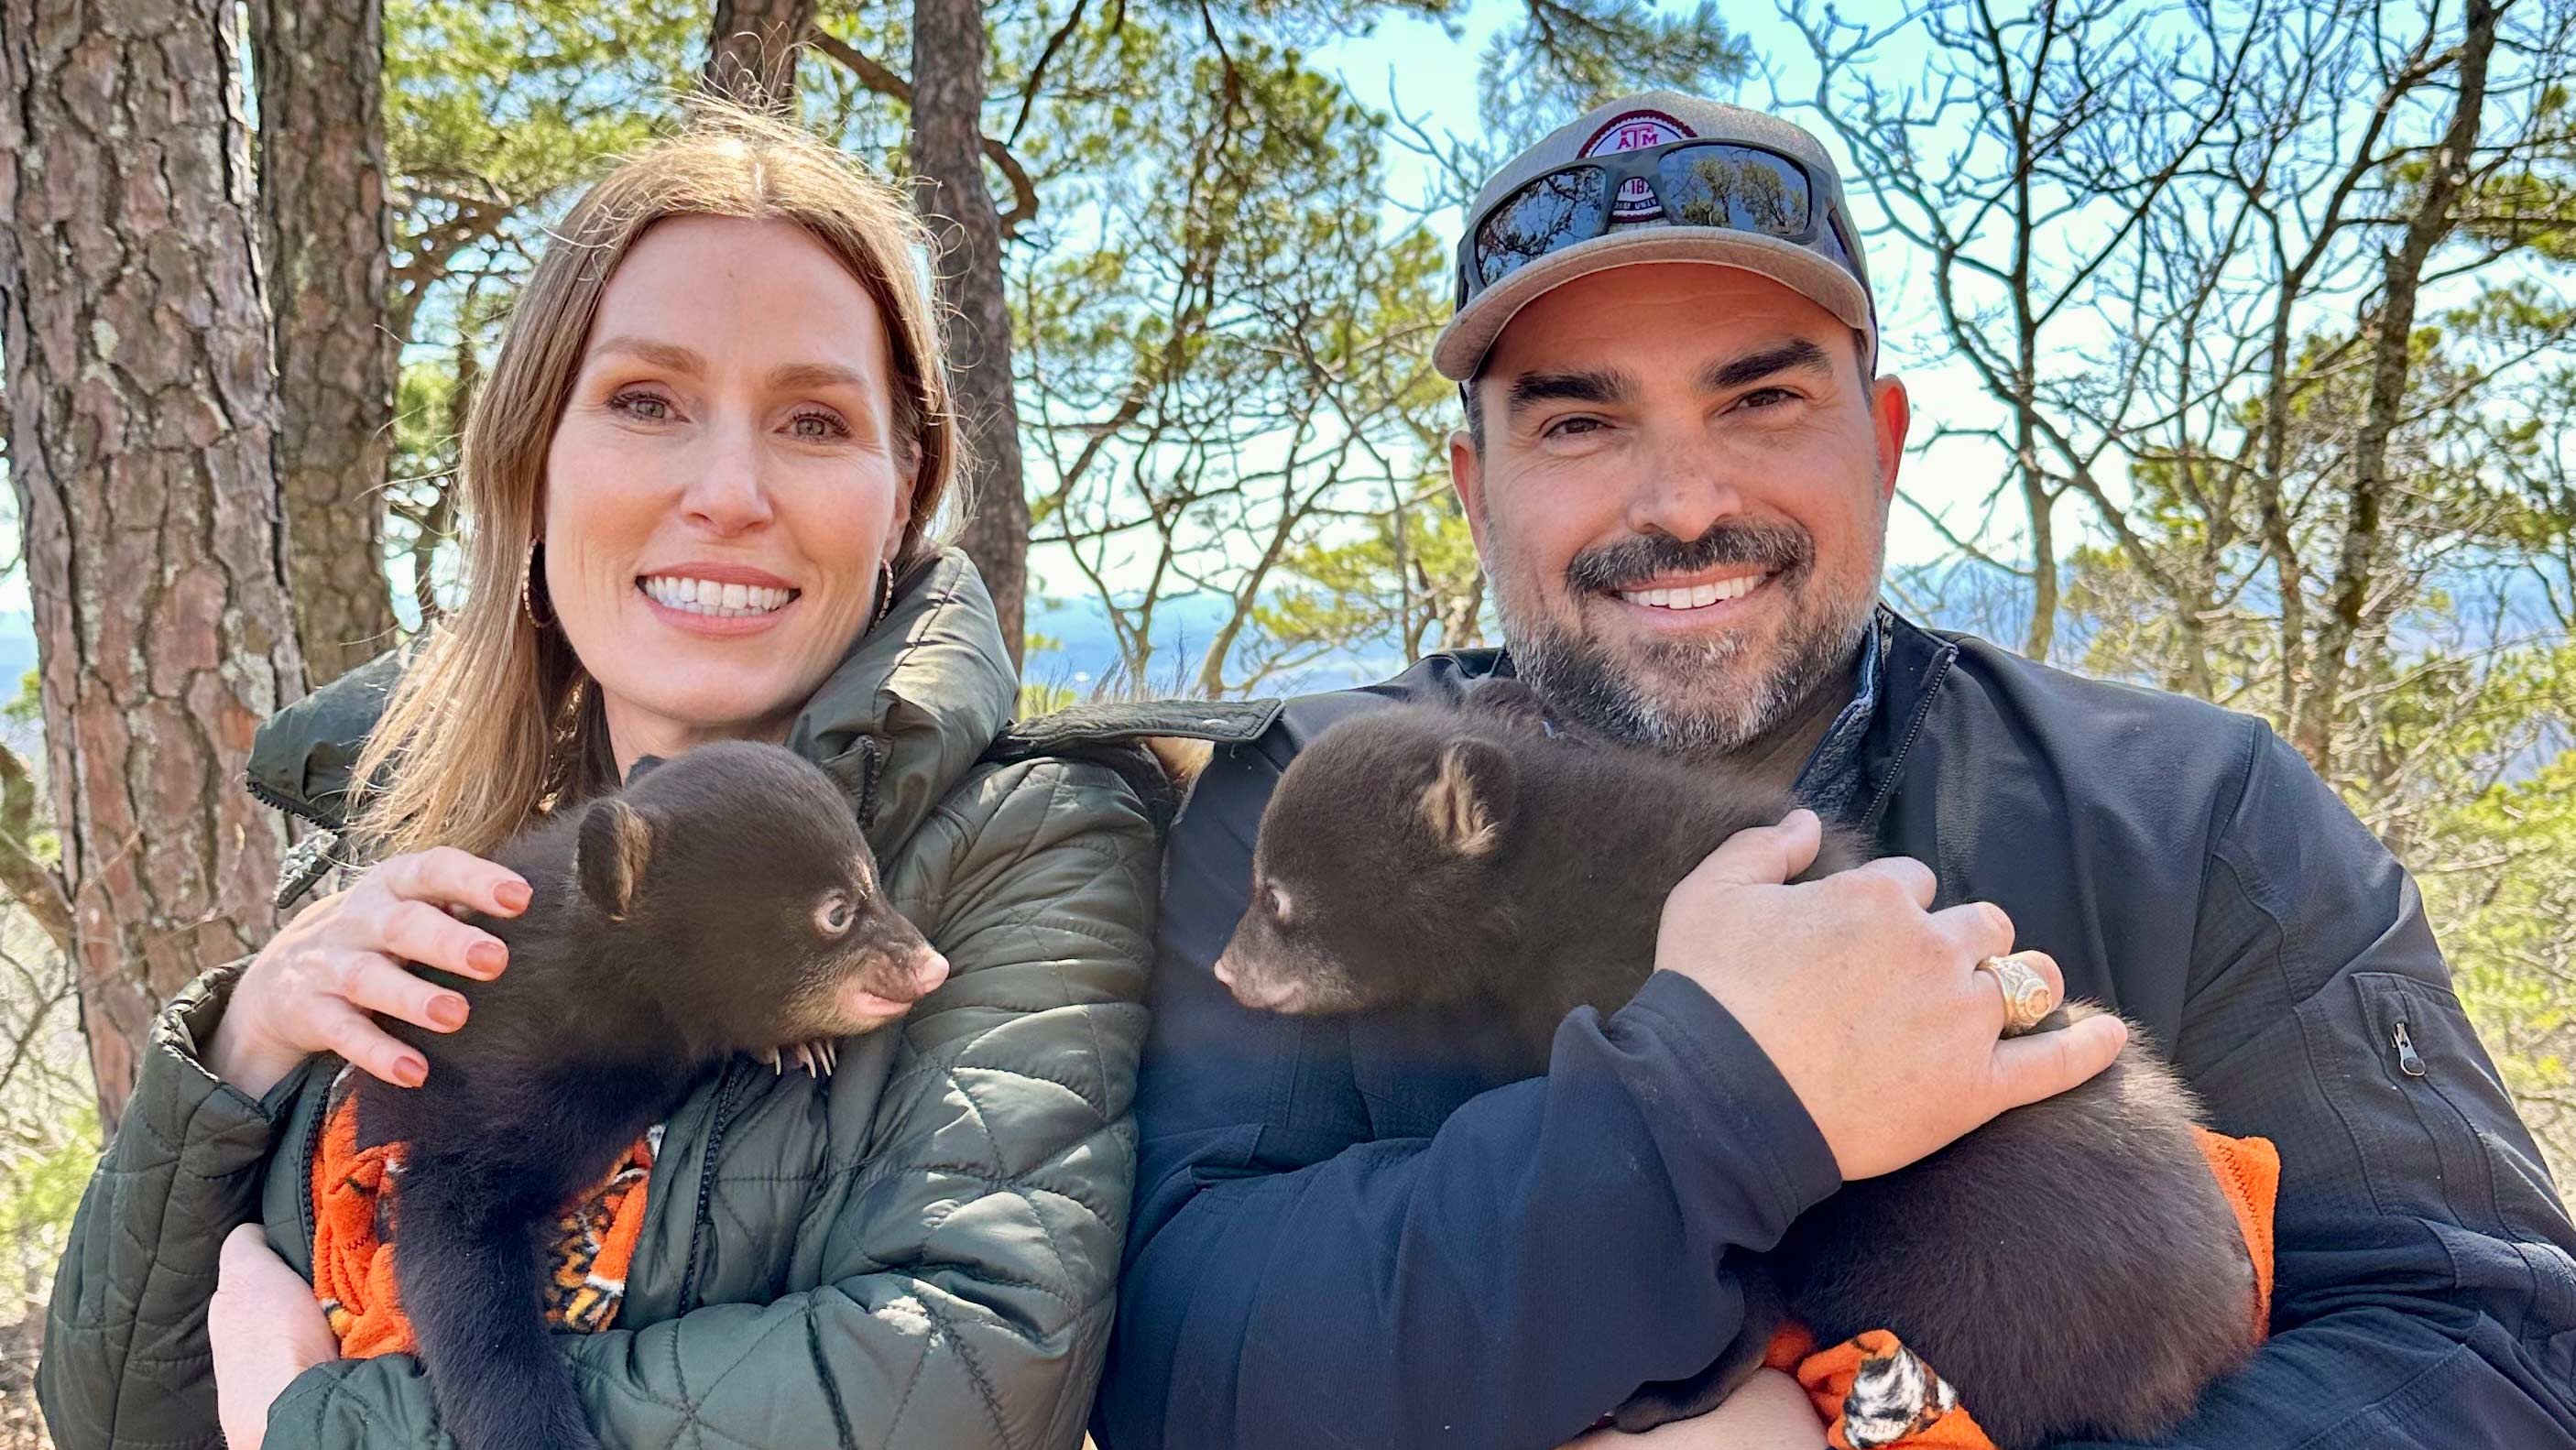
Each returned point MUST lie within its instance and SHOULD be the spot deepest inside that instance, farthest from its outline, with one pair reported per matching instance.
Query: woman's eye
(835, 914)
(817, 426)
(647, 407)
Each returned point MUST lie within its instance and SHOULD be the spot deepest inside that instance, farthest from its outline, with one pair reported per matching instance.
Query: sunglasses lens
(1735, 187)
(1552, 213)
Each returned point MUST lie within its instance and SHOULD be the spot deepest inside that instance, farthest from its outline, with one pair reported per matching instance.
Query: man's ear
(643, 766)
(1890, 416)
(615, 846)
(1467, 479)
(1469, 802)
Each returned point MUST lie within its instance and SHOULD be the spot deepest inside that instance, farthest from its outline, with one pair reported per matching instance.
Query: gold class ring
(2026, 994)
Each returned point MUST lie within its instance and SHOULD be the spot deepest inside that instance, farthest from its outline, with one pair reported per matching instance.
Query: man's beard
(1585, 677)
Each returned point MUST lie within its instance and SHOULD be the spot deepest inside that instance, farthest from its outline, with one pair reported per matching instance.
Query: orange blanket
(357, 1193)
(1908, 1405)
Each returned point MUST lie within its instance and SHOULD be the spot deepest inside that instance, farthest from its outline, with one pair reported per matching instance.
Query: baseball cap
(1727, 186)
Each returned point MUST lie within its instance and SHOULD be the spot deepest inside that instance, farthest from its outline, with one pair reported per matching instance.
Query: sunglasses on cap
(1727, 185)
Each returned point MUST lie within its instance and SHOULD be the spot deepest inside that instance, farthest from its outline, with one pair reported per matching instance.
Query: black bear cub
(722, 903)
(2071, 1269)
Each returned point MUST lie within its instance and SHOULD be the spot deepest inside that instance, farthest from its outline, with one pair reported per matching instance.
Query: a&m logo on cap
(1635, 131)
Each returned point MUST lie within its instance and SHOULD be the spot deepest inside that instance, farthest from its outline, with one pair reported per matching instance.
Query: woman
(702, 482)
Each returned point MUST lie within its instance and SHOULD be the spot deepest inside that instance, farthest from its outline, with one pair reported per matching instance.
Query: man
(1678, 466)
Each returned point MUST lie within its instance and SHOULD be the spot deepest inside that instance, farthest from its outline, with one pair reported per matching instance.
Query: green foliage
(1420, 587)
(41, 1188)
(492, 111)
(1567, 56)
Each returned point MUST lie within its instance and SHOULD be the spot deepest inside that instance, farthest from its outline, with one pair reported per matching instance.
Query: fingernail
(411, 1072)
(514, 895)
(447, 1011)
(490, 956)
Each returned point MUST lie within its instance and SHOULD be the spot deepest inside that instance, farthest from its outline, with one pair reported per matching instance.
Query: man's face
(1681, 499)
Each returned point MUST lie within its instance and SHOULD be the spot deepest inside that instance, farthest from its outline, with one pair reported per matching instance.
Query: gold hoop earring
(885, 594)
(528, 587)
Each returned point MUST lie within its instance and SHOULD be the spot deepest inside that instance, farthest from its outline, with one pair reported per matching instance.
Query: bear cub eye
(835, 914)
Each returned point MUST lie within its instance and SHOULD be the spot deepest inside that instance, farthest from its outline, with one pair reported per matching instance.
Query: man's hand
(265, 1329)
(1767, 1412)
(1867, 1001)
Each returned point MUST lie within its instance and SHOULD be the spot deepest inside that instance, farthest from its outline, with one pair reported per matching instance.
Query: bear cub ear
(1468, 804)
(615, 847)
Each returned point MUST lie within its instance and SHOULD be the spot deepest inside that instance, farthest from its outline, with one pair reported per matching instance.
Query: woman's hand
(1768, 1412)
(265, 1329)
(310, 989)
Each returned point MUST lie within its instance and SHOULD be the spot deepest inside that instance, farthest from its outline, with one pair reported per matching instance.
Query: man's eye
(817, 426)
(1572, 427)
(1761, 398)
(647, 407)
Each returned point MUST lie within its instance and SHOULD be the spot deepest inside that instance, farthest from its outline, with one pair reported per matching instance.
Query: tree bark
(948, 58)
(752, 56)
(326, 240)
(141, 413)
(2356, 566)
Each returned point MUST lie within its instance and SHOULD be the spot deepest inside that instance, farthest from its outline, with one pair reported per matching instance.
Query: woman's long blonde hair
(493, 719)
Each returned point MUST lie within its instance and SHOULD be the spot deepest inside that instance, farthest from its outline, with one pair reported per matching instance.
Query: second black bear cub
(2071, 1269)
(723, 903)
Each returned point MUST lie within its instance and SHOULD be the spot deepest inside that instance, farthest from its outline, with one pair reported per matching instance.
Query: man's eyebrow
(1734, 373)
(1607, 385)
(660, 354)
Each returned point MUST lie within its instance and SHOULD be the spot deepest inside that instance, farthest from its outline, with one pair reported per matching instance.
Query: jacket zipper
(1896, 762)
(2408, 1062)
(304, 1159)
(720, 1117)
(277, 800)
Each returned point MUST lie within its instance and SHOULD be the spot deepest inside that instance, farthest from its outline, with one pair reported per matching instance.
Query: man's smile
(1690, 594)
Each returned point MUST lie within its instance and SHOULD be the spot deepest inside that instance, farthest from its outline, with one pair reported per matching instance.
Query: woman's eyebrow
(680, 359)
(660, 354)
(815, 375)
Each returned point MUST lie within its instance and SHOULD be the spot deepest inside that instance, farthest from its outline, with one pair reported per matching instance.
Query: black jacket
(1340, 1241)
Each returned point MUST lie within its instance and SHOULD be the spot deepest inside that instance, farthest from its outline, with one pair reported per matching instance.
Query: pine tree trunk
(948, 58)
(752, 56)
(141, 412)
(326, 240)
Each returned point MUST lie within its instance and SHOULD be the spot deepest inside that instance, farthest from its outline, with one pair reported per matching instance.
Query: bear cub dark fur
(2071, 1269)
(722, 903)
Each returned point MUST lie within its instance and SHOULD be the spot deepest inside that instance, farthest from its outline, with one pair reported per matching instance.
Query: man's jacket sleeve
(2426, 1272)
(969, 1247)
(1499, 1282)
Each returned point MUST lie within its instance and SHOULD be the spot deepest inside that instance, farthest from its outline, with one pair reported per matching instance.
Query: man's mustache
(1610, 568)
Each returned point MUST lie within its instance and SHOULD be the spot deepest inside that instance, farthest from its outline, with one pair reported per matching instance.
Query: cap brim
(1461, 347)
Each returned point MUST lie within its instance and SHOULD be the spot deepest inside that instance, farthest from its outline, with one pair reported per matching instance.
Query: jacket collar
(1912, 666)
(900, 720)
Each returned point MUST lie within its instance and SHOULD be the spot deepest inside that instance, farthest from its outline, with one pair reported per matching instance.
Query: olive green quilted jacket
(916, 1251)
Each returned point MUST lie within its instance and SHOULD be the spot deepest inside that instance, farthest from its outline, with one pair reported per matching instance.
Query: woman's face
(723, 484)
